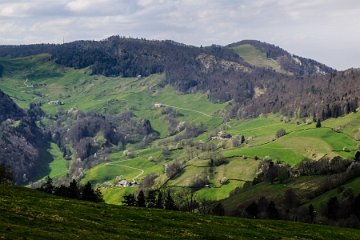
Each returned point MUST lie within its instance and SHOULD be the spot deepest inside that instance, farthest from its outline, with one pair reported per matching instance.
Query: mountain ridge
(258, 74)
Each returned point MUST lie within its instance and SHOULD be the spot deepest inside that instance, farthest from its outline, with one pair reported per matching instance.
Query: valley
(144, 133)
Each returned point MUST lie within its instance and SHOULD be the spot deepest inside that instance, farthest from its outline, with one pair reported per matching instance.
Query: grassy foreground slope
(28, 214)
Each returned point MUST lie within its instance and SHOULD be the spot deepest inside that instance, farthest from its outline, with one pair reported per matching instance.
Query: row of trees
(154, 199)
(73, 190)
(182, 199)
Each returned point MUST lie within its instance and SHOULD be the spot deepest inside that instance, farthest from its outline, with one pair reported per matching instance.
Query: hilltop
(258, 77)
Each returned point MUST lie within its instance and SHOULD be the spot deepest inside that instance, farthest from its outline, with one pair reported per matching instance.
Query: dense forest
(23, 145)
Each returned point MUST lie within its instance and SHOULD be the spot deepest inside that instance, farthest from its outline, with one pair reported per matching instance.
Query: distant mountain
(257, 77)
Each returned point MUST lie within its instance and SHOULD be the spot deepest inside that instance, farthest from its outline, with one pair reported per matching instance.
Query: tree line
(74, 190)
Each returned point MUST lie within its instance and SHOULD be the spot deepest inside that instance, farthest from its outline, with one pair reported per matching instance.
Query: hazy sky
(325, 30)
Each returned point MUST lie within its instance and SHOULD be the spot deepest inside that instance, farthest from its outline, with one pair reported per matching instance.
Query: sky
(325, 30)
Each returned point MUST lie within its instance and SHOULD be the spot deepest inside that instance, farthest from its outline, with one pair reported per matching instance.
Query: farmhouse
(55, 102)
(158, 105)
(221, 136)
(125, 183)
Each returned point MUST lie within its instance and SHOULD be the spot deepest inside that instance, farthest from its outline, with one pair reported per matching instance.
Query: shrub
(217, 159)
(281, 132)
(173, 169)
(224, 180)
(199, 181)
(129, 154)
(148, 181)
(357, 136)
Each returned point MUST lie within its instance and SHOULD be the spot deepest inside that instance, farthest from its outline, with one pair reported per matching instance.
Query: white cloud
(325, 30)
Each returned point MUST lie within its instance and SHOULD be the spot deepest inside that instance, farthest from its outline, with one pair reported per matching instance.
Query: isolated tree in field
(279, 133)
(140, 201)
(6, 175)
(147, 182)
(173, 169)
(318, 123)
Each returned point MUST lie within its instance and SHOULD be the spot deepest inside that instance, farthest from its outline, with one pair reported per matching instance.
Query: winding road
(27, 85)
(187, 109)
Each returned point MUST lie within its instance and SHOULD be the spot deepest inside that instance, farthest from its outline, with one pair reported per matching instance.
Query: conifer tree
(169, 202)
(141, 199)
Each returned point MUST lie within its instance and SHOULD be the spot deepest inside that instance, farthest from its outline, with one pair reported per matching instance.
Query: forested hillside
(278, 82)
(23, 145)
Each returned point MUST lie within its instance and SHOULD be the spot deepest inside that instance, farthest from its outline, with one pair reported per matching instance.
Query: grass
(59, 166)
(301, 185)
(323, 198)
(257, 58)
(77, 88)
(348, 124)
(115, 195)
(274, 150)
(120, 165)
(30, 214)
(337, 141)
